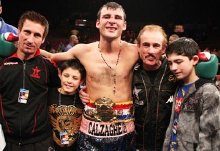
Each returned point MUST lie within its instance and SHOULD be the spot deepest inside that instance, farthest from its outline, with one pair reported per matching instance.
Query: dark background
(157, 11)
(200, 17)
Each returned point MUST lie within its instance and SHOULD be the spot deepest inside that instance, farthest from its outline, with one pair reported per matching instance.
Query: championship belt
(104, 110)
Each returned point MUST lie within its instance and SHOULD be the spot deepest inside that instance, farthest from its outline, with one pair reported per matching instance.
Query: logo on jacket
(35, 73)
(172, 78)
(170, 100)
(136, 96)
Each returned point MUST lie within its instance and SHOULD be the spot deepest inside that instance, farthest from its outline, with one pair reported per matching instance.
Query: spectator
(173, 37)
(73, 40)
(4, 27)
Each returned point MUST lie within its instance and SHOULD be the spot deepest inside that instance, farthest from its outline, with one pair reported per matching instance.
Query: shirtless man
(107, 123)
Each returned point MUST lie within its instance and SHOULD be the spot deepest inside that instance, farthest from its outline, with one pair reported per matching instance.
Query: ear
(43, 41)
(59, 73)
(195, 59)
(97, 23)
(125, 26)
(19, 31)
(164, 47)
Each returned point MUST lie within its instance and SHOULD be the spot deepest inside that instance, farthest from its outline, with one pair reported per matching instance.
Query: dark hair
(112, 5)
(74, 64)
(35, 17)
(183, 46)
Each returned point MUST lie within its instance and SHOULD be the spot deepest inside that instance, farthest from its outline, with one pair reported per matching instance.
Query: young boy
(195, 119)
(65, 106)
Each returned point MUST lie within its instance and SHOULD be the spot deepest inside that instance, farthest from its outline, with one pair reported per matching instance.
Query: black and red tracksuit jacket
(26, 123)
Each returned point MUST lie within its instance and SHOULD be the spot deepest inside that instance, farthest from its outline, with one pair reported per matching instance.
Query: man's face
(111, 23)
(151, 49)
(30, 37)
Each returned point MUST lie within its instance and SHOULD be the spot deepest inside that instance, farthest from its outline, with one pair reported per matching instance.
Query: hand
(83, 95)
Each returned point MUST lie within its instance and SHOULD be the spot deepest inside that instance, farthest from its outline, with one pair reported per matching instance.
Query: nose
(30, 38)
(111, 20)
(69, 80)
(173, 67)
(151, 49)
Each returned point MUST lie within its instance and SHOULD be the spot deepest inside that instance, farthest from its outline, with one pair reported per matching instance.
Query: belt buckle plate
(104, 109)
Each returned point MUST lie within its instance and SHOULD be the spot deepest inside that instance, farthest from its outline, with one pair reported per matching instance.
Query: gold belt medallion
(104, 109)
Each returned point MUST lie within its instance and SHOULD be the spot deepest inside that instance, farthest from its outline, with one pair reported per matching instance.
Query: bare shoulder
(130, 49)
(129, 46)
(80, 49)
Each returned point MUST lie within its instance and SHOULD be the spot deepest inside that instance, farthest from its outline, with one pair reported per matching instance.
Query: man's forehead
(109, 10)
(152, 36)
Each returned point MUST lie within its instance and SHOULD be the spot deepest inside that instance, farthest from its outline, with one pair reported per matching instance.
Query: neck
(109, 46)
(190, 79)
(152, 67)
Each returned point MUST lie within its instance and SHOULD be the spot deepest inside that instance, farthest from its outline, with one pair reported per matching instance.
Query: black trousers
(44, 145)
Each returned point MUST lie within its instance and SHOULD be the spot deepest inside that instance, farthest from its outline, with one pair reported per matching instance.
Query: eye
(66, 75)
(179, 61)
(156, 45)
(169, 63)
(37, 35)
(27, 32)
(118, 17)
(145, 44)
(106, 16)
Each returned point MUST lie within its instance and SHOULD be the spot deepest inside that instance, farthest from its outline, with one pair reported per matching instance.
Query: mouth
(177, 74)
(68, 87)
(150, 58)
(27, 46)
(111, 29)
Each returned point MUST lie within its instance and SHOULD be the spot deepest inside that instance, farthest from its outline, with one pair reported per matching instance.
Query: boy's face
(183, 67)
(70, 80)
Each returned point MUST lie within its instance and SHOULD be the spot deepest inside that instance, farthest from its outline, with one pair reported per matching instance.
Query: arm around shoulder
(45, 53)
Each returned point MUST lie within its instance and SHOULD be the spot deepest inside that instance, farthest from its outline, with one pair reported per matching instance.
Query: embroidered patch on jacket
(35, 73)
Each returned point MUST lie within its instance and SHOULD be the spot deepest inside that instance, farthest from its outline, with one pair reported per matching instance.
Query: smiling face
(70, 80)
(111, 23)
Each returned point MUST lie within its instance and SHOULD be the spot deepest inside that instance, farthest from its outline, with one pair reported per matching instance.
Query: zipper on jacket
(155, 141)
(145, 88)
(23, 86)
